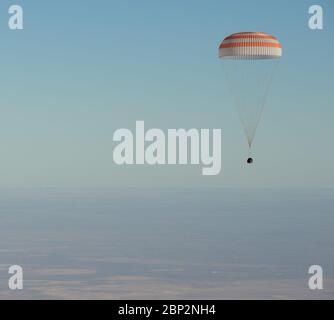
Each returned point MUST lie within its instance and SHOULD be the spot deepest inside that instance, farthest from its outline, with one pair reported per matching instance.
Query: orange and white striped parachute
(249, 60)
(250, 45)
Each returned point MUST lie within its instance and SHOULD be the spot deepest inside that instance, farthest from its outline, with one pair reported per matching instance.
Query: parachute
(249, 61)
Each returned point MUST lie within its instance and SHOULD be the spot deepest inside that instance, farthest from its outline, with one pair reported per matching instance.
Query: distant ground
(163, 244)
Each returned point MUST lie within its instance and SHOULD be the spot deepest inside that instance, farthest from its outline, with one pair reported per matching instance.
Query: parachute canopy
(250, 46)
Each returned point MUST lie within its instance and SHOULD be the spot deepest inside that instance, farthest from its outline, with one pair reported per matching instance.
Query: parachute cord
(250, 153)
(237, 104)
(250, 134)
(264, 100)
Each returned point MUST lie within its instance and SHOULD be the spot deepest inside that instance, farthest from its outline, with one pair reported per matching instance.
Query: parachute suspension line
(264, 101)
(250, 148)
(237, 102)
(265, 82)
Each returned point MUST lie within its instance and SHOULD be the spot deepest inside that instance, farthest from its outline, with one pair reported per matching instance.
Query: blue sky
(80, 70)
